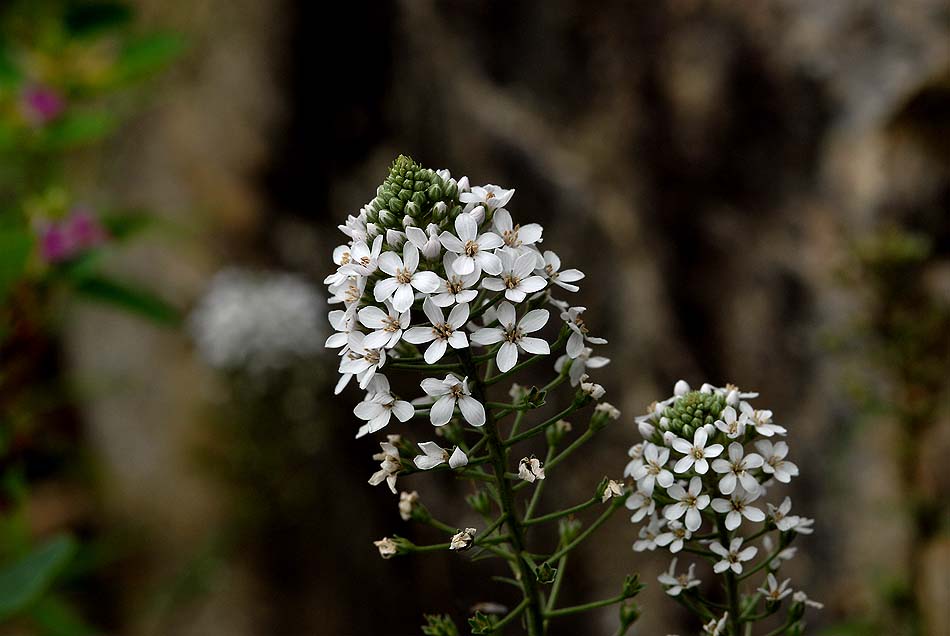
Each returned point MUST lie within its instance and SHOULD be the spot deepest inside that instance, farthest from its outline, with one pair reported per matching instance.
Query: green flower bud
(480, 502)
(632, 586)
(387, 219)
(434, 192)
(557, 432)
(568, 528)
(412, 209)
(451, 190)
(397, 204)
(545, 573)
(629, 613)
(439, 625)
(481, 624)
(692, 411)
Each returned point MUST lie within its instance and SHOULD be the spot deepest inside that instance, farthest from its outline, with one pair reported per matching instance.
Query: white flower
(491, 196)
(515, 235)
(715, 627)
(737, 468)
(592, 389)
(387, 547)
(359, 259)
(343, 322)
(612, 489)
(360, 360)
(775, 592)
(676, 584)
(463, 540)
(730, 424)
(580, 364)
(395, 238)
(387, 325)
(783, 555)
(775, 464)
(688, 502)
(379, 407)
(653, 470)
(636, 458)
(641, 504)
(436, 455)
(403, 278)
(389, 464)
(530, 469)
(426, 242)
(348, 291)
(607, 408)
(695, 453)
(801, 597)
(675, 536)
(733, 557)
(681, 388)
(407, 503)
(762, 420)
(516, 279)
(803, 525)
(563, 279)
(575, 344)
(737, 507)
(473, 250)
(648, 534)
(455, 289)
(448, 394)
(442, 333)
(783, 521)
(513, 336)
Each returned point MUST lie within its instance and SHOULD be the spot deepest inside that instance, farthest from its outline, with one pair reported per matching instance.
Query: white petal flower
(343, 322)
(688, 503)
(404, 278)
(636, 459)
(515, 235)
(592, 389)
(761, 420)
(389, 465)
(678, 583)
(696, 453)
(448, 394)
(612, 489)
(473, 249)
(733, 557)
(648, 534)
(435, 455)
(513, 335)
(408, 501)
(387, 325)
(575, 344)
(732, 425)
(360, 360)
(530, 469)
(515, 280)
(580, 364)
(801, 597)
(737, 468)
(653, 469)
(443, 333)
(561, 278)
(426, 242)
(775, 592)
(490, 195)
(737, 507)
(675, 536)
(775, 464)
(387, 547)
(641, 504)
(716, 627)
(379, 406)
(455, 289)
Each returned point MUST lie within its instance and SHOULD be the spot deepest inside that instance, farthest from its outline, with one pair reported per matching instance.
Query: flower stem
(732, 585)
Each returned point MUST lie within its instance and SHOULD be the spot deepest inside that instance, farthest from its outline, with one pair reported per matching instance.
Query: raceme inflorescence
(706, 467)
(440, 289)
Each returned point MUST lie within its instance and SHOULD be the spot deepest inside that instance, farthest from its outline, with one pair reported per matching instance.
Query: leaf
(77, 129)
(146, 55)
(26, 579)
(16, 245)
(127, 297)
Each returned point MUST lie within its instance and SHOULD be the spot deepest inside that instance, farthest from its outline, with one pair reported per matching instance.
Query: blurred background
(759, 193)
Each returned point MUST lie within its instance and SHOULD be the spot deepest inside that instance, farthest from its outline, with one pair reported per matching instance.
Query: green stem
(512, 615)
(577, 609)
(732, 585)
(531, 432)
(529, 521)
(617, 502)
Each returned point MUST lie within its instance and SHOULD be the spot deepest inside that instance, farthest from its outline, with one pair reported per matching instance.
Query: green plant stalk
(533, 604)
(732, 584)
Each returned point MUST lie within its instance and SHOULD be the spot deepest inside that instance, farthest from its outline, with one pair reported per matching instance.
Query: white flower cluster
(257, 320)
(709, 456)
(434, 266)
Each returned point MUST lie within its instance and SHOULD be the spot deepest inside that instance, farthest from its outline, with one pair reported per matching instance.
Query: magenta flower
(65, 239)
(42, 104)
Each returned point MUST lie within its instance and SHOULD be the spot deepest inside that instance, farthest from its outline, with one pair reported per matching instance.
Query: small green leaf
(127, 297)
(26, 579)
(146, 55)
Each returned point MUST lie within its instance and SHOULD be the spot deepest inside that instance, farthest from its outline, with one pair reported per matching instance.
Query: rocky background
(758, 193)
